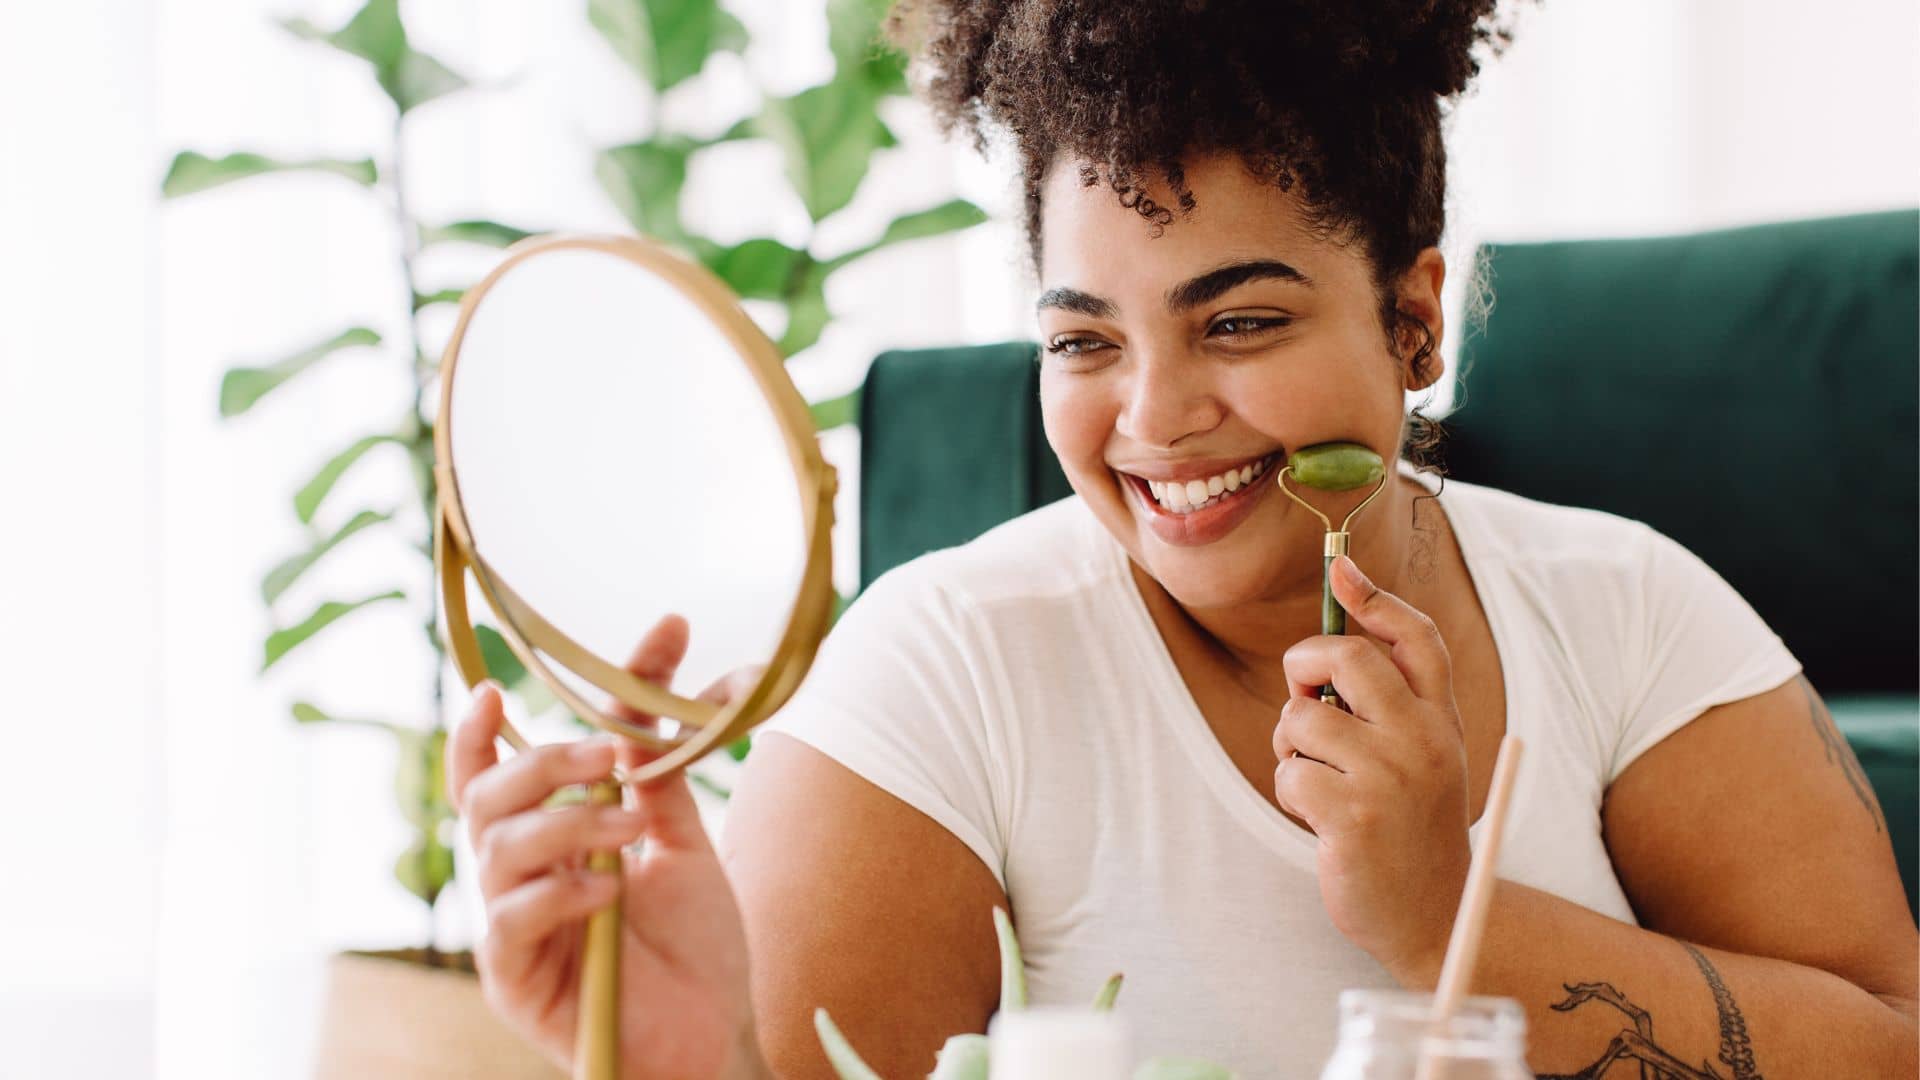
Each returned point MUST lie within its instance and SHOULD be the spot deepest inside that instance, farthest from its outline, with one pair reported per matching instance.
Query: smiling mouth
(1181, 498)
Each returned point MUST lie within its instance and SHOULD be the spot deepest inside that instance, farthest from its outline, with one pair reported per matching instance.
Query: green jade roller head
(1334, 466)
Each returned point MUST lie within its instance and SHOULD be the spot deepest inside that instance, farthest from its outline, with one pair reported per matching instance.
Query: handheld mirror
(618, 441)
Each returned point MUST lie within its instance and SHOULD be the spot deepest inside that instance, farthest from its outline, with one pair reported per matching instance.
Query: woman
(1091, 714)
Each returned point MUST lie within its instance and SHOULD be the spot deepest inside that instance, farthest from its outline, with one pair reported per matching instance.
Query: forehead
(1090, 241)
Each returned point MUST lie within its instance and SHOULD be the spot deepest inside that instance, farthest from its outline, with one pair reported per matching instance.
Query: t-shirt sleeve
(1700, 644)
(898, 694)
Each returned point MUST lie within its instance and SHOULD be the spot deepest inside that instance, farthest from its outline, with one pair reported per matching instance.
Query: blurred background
(179, 856)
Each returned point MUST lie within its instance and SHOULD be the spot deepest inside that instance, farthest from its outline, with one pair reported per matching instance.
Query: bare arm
(855, 901)
(1776, 938)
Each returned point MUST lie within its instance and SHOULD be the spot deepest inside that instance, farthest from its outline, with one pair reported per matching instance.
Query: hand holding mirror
(617, 440)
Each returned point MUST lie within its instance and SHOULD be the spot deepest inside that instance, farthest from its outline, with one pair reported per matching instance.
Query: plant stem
(419, 440)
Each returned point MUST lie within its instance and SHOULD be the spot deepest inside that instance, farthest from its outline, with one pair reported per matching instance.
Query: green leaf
(951, 216)
(1013, 970)
(411, 78)
(644, 180)
(708, 785)
(419, 79)
(503, 666)
(439, 296)
(835, 412)
(306, 501)
(242, 388)
(963, 1057)
(420, 781)
(506, 669)
(846, 1063)
(666, 41)
(859, 50)
(807, 315)
(193, 172)
(757, 269)
(425, 868)
(738, 751)
(1103, 1001)
(284, 575)
(281, 642)
(306, 713)
(828, 135)
(475, 231)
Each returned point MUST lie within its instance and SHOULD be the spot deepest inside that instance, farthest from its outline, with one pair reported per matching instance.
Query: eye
(1074, 346)
(1242, 326)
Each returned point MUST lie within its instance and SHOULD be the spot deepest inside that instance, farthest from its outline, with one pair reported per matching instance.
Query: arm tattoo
(1839, 753)
(1736, 1050)
(1638, 1044)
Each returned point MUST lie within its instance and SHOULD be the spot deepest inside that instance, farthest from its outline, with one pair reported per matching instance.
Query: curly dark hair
(1337, 100)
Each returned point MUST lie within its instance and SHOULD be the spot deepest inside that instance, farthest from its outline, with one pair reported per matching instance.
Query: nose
(1167, 398)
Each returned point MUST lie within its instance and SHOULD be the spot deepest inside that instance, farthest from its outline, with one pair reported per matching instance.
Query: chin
(1204, 580)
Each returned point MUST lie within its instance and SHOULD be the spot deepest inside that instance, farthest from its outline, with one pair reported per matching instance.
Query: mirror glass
(617, 462)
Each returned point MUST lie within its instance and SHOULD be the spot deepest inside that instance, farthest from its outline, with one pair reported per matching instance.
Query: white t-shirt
(1016, 691)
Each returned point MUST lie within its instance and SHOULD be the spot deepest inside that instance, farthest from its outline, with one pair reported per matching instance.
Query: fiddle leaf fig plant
(968, 1056)
(828, 135)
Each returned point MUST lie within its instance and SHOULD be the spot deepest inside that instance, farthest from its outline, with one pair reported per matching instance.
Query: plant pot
(412, 1015)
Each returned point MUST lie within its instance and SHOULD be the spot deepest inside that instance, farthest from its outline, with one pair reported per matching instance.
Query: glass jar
(1058, 1043)
(1385, 1034)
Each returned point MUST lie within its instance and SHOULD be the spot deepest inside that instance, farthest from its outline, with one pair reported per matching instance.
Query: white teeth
(1188, 496)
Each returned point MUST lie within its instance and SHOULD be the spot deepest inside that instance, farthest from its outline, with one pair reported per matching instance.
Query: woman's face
(1173, 368)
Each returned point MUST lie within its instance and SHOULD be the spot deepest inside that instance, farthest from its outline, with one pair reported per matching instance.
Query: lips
(1214, 519)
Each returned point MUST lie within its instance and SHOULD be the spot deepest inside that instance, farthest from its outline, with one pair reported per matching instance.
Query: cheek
(1320, 392)
(1078, 417)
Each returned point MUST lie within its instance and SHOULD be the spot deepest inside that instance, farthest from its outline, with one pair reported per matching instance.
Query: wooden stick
(596, 1044)
(1463, 947)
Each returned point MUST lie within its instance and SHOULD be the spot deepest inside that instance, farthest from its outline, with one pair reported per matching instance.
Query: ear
(1418, 294)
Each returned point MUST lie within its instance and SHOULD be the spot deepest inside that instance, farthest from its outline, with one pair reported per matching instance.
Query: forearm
(1594, 987)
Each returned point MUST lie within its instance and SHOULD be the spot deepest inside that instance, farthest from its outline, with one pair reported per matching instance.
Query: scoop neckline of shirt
(1260, 817)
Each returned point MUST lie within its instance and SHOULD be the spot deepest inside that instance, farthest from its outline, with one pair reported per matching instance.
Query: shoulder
(1517, 530)
(1058, 552)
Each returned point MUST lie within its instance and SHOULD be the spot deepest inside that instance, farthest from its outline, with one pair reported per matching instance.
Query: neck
(1250, 638)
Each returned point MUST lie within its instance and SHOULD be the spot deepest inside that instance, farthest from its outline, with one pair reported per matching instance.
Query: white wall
(137, 524)
(78, 504)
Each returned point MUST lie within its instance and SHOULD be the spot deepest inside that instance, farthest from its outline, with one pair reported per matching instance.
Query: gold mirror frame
(534, 640)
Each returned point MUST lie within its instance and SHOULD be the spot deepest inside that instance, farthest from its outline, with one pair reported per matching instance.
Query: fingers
(1418, 651)
(517, 849)
(1324, 733)
(1364, 676)
(734, 684)
(672, 817)
(521, 920)
(655, 659)
(470, 750)
(1309, 790)
(527, 780)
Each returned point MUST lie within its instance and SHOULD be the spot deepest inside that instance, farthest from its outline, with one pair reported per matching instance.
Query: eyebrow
(1188, 294)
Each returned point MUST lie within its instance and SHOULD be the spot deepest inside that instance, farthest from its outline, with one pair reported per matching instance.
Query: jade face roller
(1334, 466)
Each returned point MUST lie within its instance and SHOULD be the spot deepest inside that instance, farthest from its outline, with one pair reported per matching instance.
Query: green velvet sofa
(1750, 392)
